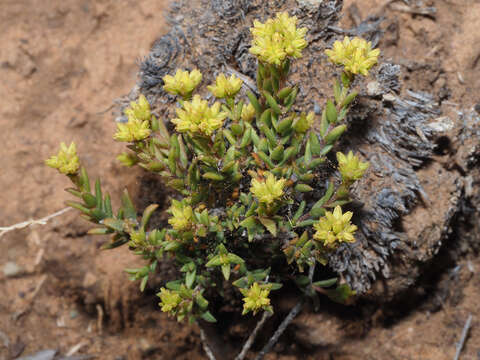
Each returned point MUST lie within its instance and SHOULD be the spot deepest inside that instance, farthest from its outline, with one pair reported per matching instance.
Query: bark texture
(420, 160)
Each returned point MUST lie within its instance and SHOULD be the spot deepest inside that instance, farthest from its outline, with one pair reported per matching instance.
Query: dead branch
(24, 224)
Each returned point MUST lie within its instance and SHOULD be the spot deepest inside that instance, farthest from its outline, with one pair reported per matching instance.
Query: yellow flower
(197, 117)
(256, 299)
(350, 166)
(66, 161)
(183, 83)
(182, 216)
(137, 238)
(277, 39)
(139, 110)
(355, 55)
(248, 113)
(133, 130)
(335, 227)
(225, 88)
(169, 300)
(138, 125)
(269, 190)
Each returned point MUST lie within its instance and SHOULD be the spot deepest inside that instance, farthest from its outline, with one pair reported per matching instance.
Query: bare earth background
(62, 64)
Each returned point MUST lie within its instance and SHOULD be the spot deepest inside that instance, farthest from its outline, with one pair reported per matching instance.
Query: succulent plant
(252, 207)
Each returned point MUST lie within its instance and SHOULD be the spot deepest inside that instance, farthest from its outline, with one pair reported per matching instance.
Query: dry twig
(460, 344)
(253, 335)
(206, 348)
(291, 315)
(24, 224)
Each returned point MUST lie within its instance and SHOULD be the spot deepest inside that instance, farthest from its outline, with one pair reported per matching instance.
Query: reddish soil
(62, 65)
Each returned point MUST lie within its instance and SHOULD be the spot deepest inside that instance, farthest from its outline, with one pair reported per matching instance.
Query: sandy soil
(60, 62)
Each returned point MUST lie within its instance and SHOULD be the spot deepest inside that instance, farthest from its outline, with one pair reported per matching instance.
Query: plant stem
(291, 315)
(253, 335)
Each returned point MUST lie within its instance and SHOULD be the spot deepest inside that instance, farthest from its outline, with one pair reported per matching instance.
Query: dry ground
(62, 64)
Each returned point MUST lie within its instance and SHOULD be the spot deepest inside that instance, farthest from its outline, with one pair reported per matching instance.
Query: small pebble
(477, 108)
(73, 314)
(11, 269)
(41, 355)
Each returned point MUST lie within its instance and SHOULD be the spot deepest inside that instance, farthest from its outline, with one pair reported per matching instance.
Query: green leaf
(89, 200)
(334, 134)
(349, 99)
(303, 188)
(78, 206)
(190, 278)
(269, 224)
(99, 231)
(215, 261)
(213, 176)
(331, 112)
(325, 283)
(116, 243)
(207, 316)
(226, 271)
(272, 103)
(305, 223)
(283, 93)
(341, 294)
(325, 198)
(114, 224)
(143, 283)
(299, 211)
(254, 101)
(249, 222)
(147, 214)
(129, 210)
(247, 138)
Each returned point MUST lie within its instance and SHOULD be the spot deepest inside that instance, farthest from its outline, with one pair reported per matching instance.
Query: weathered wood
(405, 205)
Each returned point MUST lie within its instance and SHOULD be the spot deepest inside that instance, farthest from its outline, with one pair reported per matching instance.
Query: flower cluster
(356, 55)
(66, 161)
(334, 228)
(169, 300)
(350, 166)
(183, 83)
(225, 87)
(137, 127)
(248, 113)
(278, 38)
(269, 189)
(182, 215)
(197, 117)
(255, 299)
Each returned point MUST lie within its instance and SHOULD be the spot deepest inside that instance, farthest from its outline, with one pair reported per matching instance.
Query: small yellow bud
(334, 228)
(139, 110)
(138, 125)
(277, 39)
(268, 190)
(66, 161)
(137, 239)
(169, 300)
(248, 113)
(256, 299)
(225, 88)
(355, 55)
(350, 166)
(182, 216)
(197, 117)
(133, 130)
(183, 83)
